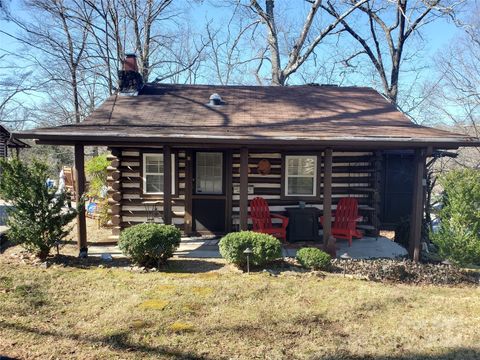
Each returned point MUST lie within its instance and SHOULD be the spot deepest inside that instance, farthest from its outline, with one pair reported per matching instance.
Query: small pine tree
(458, 237)
(38, 216)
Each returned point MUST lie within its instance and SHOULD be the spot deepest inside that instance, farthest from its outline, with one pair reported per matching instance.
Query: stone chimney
(130, 63)
(129, 79)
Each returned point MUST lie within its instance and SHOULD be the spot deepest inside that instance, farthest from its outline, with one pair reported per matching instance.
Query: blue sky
(438, 34)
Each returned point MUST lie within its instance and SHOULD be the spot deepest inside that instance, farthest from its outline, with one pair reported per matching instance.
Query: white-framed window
(300, 175)
(153, 174)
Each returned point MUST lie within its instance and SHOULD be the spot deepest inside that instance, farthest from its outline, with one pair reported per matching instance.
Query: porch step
(366, 208)
(366, 227)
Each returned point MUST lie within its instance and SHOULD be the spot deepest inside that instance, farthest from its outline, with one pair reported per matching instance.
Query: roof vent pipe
(215, 100)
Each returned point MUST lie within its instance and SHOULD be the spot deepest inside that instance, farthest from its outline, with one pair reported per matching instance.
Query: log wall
(354, 174)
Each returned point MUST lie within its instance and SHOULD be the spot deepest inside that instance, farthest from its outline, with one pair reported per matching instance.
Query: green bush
(37, 217)
(96, 169)
(458, 237)
(313, 258)
(265, 248)
(103, 215)
(149, 244)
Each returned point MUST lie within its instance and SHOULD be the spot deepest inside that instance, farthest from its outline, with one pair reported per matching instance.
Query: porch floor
(207, 247)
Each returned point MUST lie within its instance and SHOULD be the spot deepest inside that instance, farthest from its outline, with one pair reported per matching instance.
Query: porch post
(228, 190)
(416, 218)
(327, 198)
(243, 189)
(188, 218)
(79, 174)
(167, 185)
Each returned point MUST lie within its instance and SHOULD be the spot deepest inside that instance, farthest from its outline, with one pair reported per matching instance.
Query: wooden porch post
(167, 185)
(188, 218)
(79, 191)
(327, 198)
(243, 189)
(228, 190)
(416, 218)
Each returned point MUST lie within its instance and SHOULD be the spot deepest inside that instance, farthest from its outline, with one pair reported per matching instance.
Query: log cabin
(8, 142)
(194, 155)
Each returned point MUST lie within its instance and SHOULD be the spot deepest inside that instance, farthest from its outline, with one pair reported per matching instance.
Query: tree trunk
(277, 73)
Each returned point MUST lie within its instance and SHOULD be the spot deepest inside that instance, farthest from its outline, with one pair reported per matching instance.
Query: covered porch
(176, 204)
(337, 174)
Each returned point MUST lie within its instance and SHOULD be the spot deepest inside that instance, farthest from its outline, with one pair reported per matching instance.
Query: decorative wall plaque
(264, 167)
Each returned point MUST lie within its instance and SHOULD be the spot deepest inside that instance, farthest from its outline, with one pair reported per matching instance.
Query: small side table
(151, 209)
(303, 224)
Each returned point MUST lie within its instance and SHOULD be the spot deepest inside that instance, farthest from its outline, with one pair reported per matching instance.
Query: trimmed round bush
(149, 244)
(313, 258)
(266, 248)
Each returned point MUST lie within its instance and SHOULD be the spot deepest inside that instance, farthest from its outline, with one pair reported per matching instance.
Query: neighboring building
(8, 142)
(204, 151)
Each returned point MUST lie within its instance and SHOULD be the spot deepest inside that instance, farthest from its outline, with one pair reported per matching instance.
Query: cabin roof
(11, 141)
(249, 114)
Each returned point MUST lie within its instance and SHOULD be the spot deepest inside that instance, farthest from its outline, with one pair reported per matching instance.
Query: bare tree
(454, 97)
(142, 16)
(303, 45)
(107, 38)
(390, 25)
(60, 41)
(230, 52)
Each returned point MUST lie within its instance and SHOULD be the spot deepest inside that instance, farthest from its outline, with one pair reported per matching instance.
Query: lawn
(218, 313)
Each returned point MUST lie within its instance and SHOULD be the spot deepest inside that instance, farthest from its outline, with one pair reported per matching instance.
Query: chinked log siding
(354, 174)
(132, 208)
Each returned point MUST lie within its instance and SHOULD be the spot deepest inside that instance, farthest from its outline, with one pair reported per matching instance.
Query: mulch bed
(406, 271)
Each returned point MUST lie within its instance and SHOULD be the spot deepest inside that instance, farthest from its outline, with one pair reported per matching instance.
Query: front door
(208, 198)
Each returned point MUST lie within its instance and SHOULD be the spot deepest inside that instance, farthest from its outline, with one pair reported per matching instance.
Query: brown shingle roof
(251, 113)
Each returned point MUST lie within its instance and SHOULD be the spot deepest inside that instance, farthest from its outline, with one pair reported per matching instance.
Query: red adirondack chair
(345, 220)
(262, 219)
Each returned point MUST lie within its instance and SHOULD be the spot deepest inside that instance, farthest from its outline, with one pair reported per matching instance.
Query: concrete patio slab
(365, 248)
(189, 248)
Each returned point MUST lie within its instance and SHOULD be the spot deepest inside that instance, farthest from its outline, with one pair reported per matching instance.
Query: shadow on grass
(118, 341)
(191, 266)
(174, 265)
(451, 354)
(91, 261)
(4, 244)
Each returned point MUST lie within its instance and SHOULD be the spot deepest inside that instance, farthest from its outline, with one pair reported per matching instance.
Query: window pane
(209, 170)
(154, 183)
(300, 185)
(301, 165)
(293, 166)
(153, 164)
(307, 166)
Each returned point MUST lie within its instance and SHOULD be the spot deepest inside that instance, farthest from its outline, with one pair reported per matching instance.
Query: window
(209, 173)
(300, 175)
(153, 172)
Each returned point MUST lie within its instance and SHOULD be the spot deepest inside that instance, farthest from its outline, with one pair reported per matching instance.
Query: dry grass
(95, 234)
(95, 313)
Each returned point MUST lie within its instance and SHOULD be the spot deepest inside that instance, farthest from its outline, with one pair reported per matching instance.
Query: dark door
(208, 198)
(397, 189)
